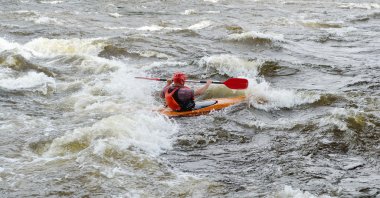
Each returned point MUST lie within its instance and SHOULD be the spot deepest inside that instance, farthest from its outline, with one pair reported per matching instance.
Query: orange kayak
(204, 107)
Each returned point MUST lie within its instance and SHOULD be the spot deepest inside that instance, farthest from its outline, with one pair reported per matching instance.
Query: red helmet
(179, 77)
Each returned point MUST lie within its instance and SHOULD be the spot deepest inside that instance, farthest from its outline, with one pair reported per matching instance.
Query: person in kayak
(179, 97)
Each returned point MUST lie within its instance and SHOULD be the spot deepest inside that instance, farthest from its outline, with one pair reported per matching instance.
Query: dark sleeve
(162, 94)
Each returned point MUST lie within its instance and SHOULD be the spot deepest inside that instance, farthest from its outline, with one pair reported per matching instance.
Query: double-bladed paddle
(232, 83)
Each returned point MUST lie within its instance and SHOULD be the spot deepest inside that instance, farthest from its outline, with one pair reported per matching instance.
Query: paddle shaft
(192, 81)
(232, 83)
(203, 81)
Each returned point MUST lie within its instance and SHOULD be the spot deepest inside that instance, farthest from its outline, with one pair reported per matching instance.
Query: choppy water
(75, 122)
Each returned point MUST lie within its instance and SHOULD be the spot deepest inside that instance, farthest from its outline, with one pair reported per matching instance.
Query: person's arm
(168, 83)
(201, 90)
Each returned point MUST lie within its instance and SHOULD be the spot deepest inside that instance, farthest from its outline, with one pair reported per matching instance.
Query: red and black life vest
(170, 101)
(173, 101)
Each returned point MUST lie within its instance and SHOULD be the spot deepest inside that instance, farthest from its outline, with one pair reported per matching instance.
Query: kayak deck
(220, 104)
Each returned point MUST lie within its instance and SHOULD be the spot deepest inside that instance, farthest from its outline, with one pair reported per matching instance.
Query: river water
(74, 122)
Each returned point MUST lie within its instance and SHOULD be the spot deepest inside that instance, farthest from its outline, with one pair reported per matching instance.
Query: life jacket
(170, 101)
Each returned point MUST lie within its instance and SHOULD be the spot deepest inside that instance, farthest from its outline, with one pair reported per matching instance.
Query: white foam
(288, 191)
(155, 28)
(151, 28)
(166, 63)
(211, 1)
(254, 34)
(10, 160)
(189, 12)
(51, 2)
(263, 96)
(53, 47)
(115, 28)
(342, 32)
(367, 6)
(213, 12)
(200, 25)
(111, 172)
(11, 61)
(115, 14)
(150, 53)
(32, 80)
(25, 12)
(120, 93)
(6, 45)
(231, 65)
(315, 23)
(15, 47)
(45, 20)
(98, 95)
(143, 131)
(124, 84)
(337, 117)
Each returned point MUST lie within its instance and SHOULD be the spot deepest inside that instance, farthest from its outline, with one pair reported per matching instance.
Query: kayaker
(179, 97)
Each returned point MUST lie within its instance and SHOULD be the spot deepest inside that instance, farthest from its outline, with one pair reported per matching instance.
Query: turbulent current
(74, 122)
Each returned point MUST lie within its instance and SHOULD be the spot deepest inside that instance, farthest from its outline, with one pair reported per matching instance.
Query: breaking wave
(255, 38)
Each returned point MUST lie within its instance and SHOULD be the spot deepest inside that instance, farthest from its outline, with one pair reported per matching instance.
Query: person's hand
(169, 81)
(209, 82)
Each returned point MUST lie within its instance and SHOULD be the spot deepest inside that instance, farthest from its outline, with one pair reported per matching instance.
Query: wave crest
(231, 65)
(255, 38)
